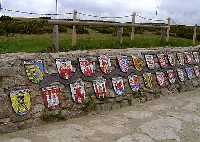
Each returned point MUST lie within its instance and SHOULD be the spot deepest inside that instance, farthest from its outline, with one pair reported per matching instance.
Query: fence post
(120, 34)
(162, 36)
(74, 35)
(168, 28)
(56, 37)
(195, 35)
(133, 28)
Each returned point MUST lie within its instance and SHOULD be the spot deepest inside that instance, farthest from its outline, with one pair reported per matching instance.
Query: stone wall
(13, 75)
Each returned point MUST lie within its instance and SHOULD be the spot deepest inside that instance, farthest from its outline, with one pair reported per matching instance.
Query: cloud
(181, 11)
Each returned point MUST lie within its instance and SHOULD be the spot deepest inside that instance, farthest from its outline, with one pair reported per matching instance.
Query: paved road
(168, 119)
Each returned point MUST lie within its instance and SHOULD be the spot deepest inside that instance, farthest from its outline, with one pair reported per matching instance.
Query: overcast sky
(181, 11)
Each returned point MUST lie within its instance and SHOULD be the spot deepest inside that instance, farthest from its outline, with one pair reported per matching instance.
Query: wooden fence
(165, 29)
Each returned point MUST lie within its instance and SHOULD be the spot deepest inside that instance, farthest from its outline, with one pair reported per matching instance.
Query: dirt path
(168, 119)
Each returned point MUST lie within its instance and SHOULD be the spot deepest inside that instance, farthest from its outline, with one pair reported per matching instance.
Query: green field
(43, 42)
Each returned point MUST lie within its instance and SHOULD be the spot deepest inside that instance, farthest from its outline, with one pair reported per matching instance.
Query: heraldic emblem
(196, 57)
(161, 78)
(35, 70)
(171, 76)
(134, 82)
(148, 80)
(118, 85)
(181, 58)
(171, 59)
(196, 71)
(87, 67)
(138, 63)
(51, 97)
(150, 61)
(65, 68)
(188, 57)
(78, 91)
(162, 60)
(190, 73)
(105, 64)
(123, 63)
(21, 101)
(100, 87)
(181, 74)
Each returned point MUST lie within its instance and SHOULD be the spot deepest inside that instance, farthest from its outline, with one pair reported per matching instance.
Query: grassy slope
(43, 43)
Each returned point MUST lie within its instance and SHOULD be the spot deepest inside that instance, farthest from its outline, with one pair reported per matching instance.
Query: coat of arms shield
(150, 61)
(100, 87)
(35, 70)
(118, 85)
(65, 68)
(78, 91)
(21, 101)
(148, 80)
(134, 82)
(196, 57)
(189, 72)
(180, 57)
(105, 64)
(171, 76)
(196, 71)
(181, 74)
(123, 63)
(51, 97)
(171, 59)
(138, 63)
(162, 60)
(87, 67)
(161, 79)
(188, 57)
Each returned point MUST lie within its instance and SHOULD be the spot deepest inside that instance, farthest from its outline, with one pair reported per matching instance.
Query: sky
(180, 11)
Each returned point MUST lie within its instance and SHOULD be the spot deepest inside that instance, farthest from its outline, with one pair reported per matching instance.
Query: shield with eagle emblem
(65, 68)
(161, 79)
(171, 76)
(21, 101)
(162, 60)
(100, 87)
(138, 63)
(105, 64)
(87, 67)
(118, 85)
(51, 97)
(78, 91)
(134, 82)
(150, 61)
(123, 63)
(171, 59)
(35, 70)
(148, 80)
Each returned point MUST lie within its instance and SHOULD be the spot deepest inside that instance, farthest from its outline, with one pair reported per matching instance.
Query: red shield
(196, 71)
(78, 91)
(100, 87)
(51, 97)
(105, 64)
(65, 68)
(188, 57)
(118, 85)
(171, 76)
(87, 67)
(162, 60)
(161, 78)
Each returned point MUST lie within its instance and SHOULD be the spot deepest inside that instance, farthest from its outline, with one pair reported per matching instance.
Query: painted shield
(123, 63)
(171, 59)
(150, 61)
(51, 97)
(171, 76)
(162, 60)
(118, 85)
(161, 79)
(65, 68)
(138, 63)
(105, 64)
(35, 70)
(188, 57)
(134, 82)
(190, 72)
(148, 80)
(180, 57)
(78, 91)
(87, 67)
(21, 101)
(196, 57)
(100, 87)
(196, 71)
(181, 74)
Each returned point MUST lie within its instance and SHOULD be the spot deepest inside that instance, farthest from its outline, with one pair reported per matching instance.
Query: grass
(43, 43)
